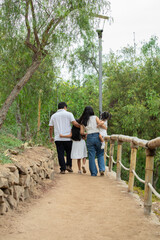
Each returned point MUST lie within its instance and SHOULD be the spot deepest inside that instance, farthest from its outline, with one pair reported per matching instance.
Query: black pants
(62, 147)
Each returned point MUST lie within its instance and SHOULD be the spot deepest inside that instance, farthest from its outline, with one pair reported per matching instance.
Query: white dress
(79, 149)
(103, 131)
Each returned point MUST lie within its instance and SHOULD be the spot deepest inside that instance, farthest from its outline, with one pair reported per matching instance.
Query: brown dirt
(80, 207)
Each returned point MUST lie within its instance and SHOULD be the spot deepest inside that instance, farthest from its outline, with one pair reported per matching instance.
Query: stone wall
(19, 179)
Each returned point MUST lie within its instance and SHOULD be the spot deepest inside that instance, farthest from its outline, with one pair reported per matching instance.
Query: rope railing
(140, 179)
(135, 142)
(107, 155)
(127, 169)
(153, 190)
(113, 160)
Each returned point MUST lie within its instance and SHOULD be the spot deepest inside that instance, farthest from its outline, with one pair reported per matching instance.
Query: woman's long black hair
(76, 136)
(88, 111)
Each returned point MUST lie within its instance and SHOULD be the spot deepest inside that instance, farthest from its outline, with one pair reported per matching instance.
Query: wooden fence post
(111, 154)
(132, 166)
(148, 179)
(105, 151)
(119, 156)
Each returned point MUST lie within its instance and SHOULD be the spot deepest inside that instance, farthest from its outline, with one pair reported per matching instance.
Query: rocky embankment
(19, 179)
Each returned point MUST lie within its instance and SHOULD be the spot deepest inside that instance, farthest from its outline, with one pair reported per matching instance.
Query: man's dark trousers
(62, 147)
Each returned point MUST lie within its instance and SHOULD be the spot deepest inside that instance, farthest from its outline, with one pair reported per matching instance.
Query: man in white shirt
(61, 123)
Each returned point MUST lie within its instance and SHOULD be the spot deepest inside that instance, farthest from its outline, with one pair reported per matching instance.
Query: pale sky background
(139, 16)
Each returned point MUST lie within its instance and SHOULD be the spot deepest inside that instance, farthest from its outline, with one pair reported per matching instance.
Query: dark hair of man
(88, 111)
(76, 136)
(62, 105)
(105, 115)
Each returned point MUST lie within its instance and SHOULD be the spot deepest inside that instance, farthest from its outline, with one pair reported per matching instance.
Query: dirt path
(81, 207)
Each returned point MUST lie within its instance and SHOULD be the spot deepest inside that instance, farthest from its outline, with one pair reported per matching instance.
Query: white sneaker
(103, 145)
(79, 172)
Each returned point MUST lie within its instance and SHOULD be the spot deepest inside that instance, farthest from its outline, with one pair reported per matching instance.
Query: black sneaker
(69, 169)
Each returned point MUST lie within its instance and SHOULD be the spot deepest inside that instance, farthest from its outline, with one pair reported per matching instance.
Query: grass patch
(140, 192)
(7, 141)
(4, 159)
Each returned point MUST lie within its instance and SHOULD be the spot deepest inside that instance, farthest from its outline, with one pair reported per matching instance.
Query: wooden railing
(150, 147)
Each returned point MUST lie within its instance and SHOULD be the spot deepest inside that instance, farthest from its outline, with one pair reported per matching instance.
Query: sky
(141, 17)
(133, 19)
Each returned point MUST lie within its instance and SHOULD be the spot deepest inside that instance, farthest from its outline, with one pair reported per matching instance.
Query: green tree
(77, 94)
(131, 90)
(47, 27)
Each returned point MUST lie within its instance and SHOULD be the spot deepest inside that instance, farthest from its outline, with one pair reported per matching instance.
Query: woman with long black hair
(89, 124)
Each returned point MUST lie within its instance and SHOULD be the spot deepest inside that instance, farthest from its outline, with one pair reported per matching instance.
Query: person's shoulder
(54, 114)
(69, 113)
(93, 117)
(66, 113)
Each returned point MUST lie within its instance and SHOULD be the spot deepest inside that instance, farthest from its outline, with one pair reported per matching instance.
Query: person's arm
(99, 124)
(84, 136)
(82, 130)
(66, 136)
(51, 133)
(76, 124)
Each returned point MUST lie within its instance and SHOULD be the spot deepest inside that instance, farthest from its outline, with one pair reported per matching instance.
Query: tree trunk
(17, 89)
(19, 122)
(27, 133)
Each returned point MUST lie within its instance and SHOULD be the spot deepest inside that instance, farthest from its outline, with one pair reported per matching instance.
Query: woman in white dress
(79, 149)
(105, 116)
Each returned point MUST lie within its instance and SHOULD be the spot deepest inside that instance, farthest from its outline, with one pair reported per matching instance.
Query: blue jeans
(94, 149)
